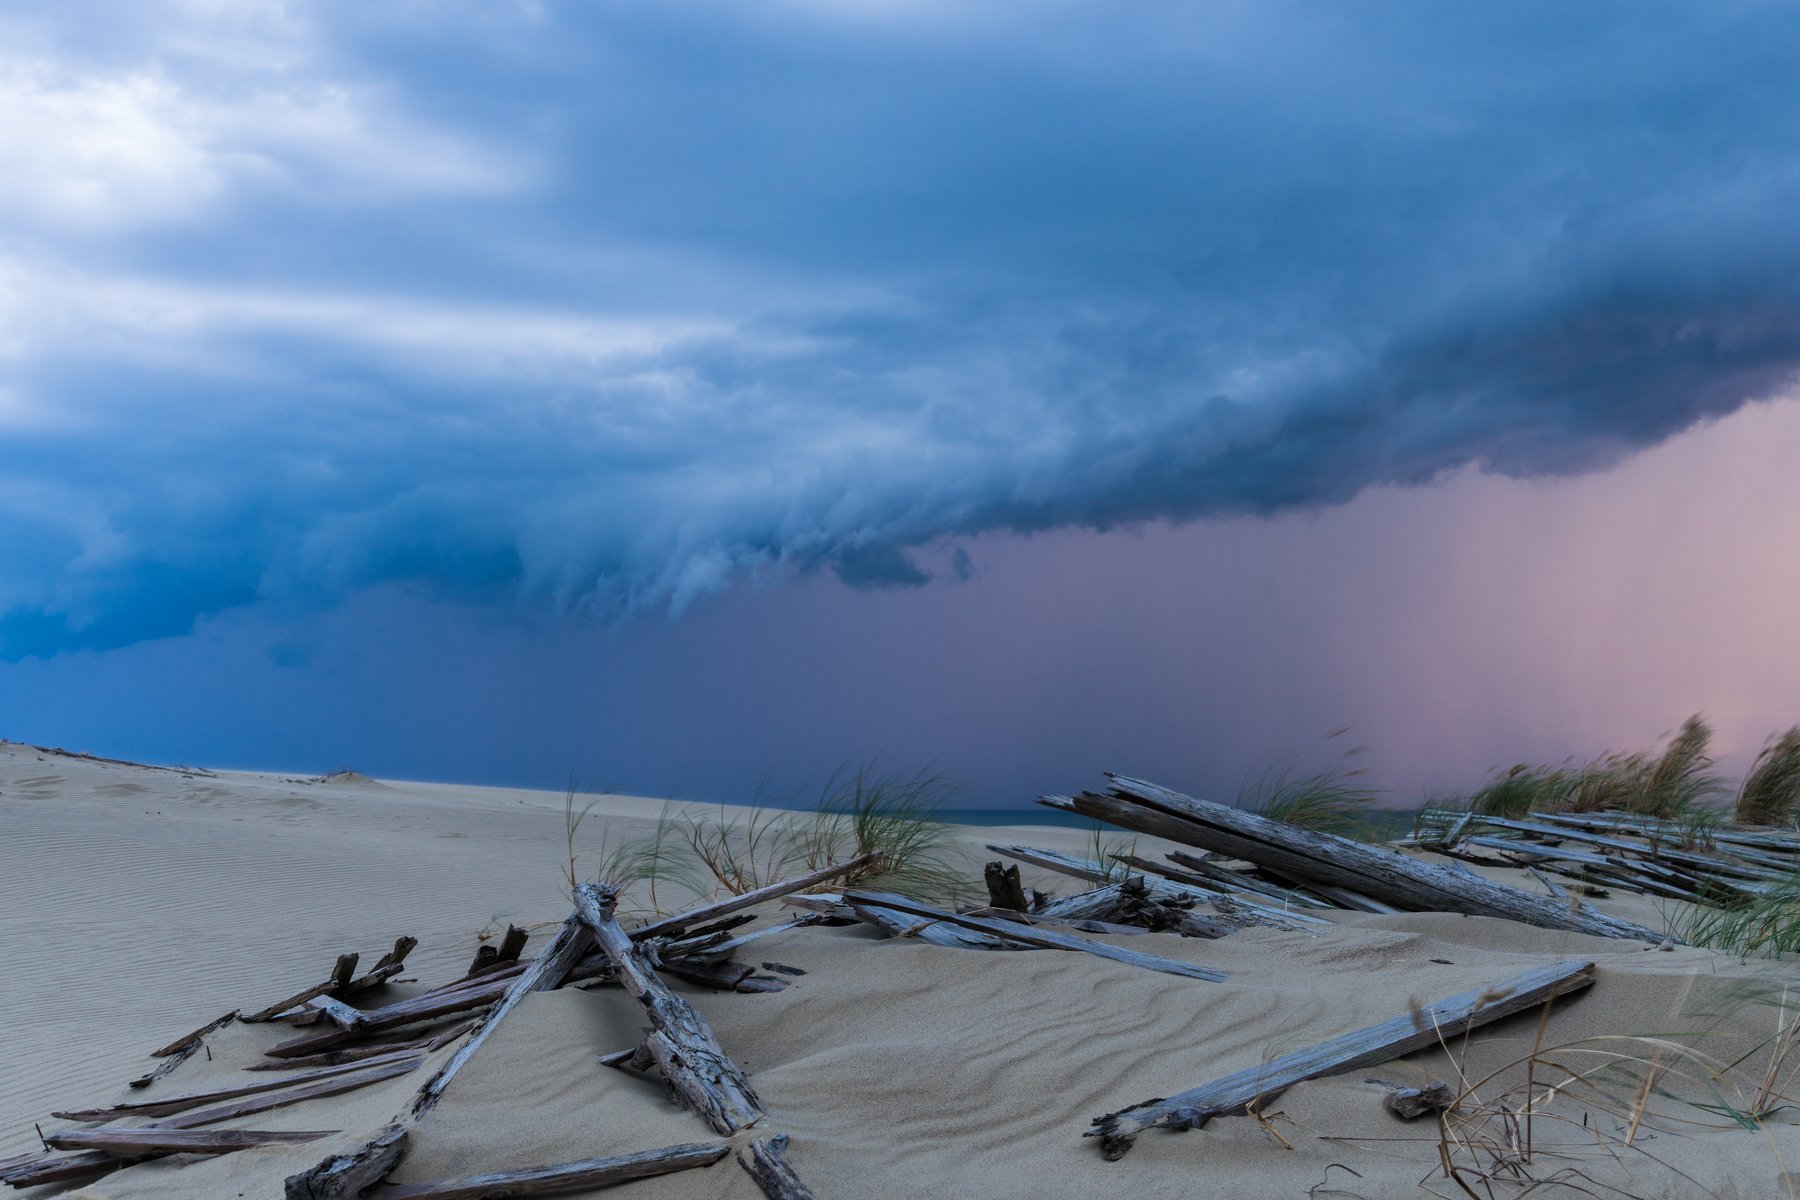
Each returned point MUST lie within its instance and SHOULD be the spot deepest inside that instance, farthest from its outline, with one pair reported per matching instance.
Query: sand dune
(140, 903)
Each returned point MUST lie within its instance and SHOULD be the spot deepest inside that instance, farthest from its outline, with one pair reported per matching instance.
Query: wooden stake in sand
(1031, 936)
(345, 1176)
(765, 1160)
(1363, 1048)
(1341, 862)
(182, 1049)
(680, 1039)
(569, 1177)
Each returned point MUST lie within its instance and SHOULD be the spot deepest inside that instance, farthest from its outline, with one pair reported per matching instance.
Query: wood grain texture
(681, 1041)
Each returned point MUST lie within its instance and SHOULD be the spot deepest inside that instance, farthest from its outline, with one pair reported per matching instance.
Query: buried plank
(155, 1140)
(182, 1049)
(545, 972)
(585, 1175)
(1388, 876)
(1031, 935)
(1381, 1043)
(681, 1041)
(389, 965)
(429, 1007)
(174, 1104)
(346, 1176)
(765, 1160)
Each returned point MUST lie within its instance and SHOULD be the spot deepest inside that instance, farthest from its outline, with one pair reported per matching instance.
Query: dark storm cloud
(603, 307)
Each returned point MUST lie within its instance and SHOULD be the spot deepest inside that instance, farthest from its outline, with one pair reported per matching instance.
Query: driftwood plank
(1166, 889)
(174, 1104)
(1383, 874)
(323, 987)
(182, 1049)
(389, 965)
(406, 1012)
(680, 1040)
(156, 1140)
(374, 1050)
(765, 1159)
(1362, 1048)
(731, 904)
(1004, 888)
(545, 972)
(1033, 936)
(90, 1164)
(346, 1176)
(569, 1177)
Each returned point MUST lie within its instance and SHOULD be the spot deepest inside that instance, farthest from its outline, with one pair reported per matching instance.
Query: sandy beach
(141, 902)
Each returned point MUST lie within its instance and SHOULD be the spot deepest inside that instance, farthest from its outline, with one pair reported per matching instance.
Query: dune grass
(735, 849)
(1333, 800)
(1770, 794)
(1677, 784)
(1766, 926)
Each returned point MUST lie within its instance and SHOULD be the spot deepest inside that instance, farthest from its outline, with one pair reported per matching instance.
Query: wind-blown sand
(138, 903)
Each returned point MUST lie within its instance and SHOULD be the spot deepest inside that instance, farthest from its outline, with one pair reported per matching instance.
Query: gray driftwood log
(680, 1040)
(765, 1160)
(346, 1176)
(1393, 878)
(1031, 935)
(1391, 1039)
(680, 922)
(585, 1175)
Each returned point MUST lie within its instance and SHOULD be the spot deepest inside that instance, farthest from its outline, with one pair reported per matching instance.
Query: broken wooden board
(1031, 935)
(182, 1049)
(774, 891)
(347, 1176)
(1391, 1039)
(765, 1161)
(681, 1041)
(152, 1140)
(587, 1174)
(169, 1105)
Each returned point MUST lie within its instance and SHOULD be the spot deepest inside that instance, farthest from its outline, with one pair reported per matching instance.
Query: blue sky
(579, 333)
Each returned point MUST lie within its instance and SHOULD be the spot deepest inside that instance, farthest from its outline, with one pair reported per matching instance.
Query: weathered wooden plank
(43, 1169)
(347, 1176)
(1033, 936)
(152, 1140)
(321, 988)
(429, 1007)
(762, 895)
(173, 1104)
(1380, 1043)
(1384, 874)
(585, 1175)
(681, 1041)
(1237, 881)
(388, 966)
(373, 1050)
(765, 1160)
(546, 971)
(346, 1017)
(1166, 889)
(182, 1049)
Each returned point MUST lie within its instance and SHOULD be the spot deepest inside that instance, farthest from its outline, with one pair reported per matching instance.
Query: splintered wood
(681, 1041)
